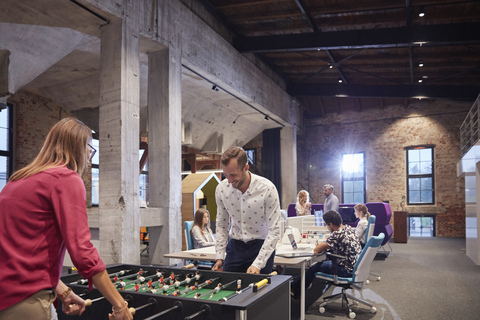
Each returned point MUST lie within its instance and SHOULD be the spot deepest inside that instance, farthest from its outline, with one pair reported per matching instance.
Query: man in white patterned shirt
(248, 213)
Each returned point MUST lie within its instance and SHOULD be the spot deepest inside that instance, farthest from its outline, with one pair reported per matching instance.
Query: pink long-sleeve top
(40, 217)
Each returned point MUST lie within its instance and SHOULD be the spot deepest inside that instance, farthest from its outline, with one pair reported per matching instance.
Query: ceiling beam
(429, 35)
(386, 91)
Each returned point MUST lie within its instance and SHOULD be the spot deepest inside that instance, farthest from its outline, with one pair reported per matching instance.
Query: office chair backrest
(188, 236)
(370, 227)
(362, 267)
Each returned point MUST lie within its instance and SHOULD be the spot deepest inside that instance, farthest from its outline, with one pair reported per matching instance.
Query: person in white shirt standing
(248, 212)
(331, 200)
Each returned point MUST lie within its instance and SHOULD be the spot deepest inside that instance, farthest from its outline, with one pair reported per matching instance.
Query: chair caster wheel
(321, 310)
(352, 315)
(367, 282)
(373, 310)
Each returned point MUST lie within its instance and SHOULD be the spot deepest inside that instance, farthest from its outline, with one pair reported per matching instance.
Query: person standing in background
(331, 200)
(303, 205)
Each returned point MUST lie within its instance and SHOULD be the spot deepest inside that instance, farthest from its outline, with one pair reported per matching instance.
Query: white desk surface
(208, 253)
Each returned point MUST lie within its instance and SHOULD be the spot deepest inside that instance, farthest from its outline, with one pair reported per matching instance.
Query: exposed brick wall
(34, 116)
(383, 134)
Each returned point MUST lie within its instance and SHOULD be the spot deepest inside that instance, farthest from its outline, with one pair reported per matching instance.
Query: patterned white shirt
(247, 216)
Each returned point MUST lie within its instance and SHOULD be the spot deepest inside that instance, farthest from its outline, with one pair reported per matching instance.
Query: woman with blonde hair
(201, 233)
(42, 214)
(303, 205)
(361, 212)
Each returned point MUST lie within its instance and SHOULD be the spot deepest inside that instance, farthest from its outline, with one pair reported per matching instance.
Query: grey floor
(426, 278)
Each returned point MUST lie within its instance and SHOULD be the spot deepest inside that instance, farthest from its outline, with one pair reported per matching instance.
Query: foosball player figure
(115, 279)
(172, 277)
(140, 272)
(217, 289)
(161, 280)
(177, 283)
(165, 289)
(150, 283)
(239, 285)
(137, 287)
(187, 280)
(176, 292)
(197, 295)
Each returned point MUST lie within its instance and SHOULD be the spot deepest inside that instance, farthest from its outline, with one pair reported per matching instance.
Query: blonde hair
(65, 145)
(362, 208)
(305, 192)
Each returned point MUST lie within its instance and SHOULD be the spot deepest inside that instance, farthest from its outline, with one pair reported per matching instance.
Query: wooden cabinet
(400, 226)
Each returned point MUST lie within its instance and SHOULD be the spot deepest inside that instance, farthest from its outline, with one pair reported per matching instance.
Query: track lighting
(340, 80)
(266, 118)
(214, 88)
(420, 64)
(421, 14)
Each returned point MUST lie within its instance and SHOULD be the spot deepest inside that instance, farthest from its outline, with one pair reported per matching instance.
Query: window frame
(364, 175)
(430, 175)
(9, 153)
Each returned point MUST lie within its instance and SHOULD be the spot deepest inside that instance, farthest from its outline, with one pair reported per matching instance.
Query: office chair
(190, 246)
(359, 275)
(368, 235)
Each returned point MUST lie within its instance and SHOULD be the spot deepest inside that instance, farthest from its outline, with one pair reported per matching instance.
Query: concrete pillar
(165, 150)
(119, 208)
(288, 147)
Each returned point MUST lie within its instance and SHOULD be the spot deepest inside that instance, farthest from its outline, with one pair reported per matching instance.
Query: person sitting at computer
(342, 241)
(303, 205)
(361, 212)
(201, 233)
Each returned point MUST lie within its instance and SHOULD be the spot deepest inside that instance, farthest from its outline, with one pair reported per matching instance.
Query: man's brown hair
(237, 153)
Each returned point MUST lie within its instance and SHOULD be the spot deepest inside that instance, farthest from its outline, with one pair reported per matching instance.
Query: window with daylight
(420, 175)
(6, 144)
(143, 192)
(353, 178)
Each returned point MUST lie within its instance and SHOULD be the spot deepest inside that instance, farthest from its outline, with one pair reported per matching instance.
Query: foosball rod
(118, 284)
(204, 310)
(233, 295)
(207, 282)
(176, 306)
(89, 302)
(85, 281)
(215, 289)
(152, 302)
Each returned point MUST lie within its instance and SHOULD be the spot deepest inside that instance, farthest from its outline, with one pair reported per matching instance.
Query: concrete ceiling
(54, 51)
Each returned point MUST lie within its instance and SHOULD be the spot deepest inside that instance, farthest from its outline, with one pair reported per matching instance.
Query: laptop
(297, 252)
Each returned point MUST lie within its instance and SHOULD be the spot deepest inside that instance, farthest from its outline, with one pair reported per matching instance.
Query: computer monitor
(319, 218)
(348, 214)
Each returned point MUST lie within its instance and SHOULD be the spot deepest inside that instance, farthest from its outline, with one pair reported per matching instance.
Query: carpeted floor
(426, 278)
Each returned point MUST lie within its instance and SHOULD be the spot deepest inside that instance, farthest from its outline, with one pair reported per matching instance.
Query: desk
(208, 253)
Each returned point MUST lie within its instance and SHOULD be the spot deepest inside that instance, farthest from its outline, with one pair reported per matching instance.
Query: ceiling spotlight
(421, 14)
(266, 118)
(420, 80)
(340, 80)
(330, 66)
(420, 64)
(214, 87)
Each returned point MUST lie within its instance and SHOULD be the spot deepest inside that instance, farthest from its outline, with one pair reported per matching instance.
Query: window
(143, 192)
(6, 143)
(252, 159)
(353, 178)
(143, 182)
(420, 175)
(95, 180)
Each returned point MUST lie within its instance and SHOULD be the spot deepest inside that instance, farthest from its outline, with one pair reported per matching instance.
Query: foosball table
(156, 292)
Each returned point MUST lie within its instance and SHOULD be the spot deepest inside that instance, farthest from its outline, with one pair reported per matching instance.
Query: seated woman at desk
(361, 212)
(201, 233)
(303, 205)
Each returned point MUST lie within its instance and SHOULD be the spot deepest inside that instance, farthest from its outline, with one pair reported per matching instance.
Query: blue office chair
(190, 246)
(368, 235)
(359, 276)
